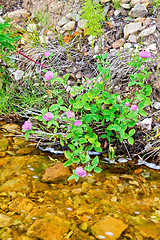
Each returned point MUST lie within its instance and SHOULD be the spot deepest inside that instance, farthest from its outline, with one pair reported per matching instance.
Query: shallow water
(119, 203)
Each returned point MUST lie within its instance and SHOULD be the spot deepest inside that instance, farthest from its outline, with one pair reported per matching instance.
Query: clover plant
(97, 114)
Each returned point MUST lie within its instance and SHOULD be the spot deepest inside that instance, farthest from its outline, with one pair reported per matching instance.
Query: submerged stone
(109, 225)
(4, 143)
(5, 221)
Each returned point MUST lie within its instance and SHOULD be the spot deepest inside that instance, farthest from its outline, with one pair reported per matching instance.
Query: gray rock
(127, 45)
(139, 10)
(132, 38)
(18, 15)
(82, 23)
(18, 74)
(134, 2)
(132, 28)
(156, 105)
(69, 26)
(62, 21)
(73, 16)
(147, 31)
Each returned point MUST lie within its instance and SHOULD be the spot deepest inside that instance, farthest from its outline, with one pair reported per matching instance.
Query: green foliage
(116, 3)
(156, 4)
(98, 110)
(93, 13)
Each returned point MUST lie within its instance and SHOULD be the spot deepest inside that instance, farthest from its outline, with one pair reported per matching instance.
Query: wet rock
(17, 184)
(80, 235)
(5, 221)
(20, 142)
(39, 187)
(5, 233)
(77, 190)
(20, 205)
(11, 127)
(149, 230)
(56, 173)
(126, 177)
(134, 183)
(4, 143)
(147, 31)
(111, 228)
(119, 43)
(2, 154)
(69, 26)
(52, 229)
(132, 28)
(139, 10)
(25, 151)
(18, 15)
(4, 161)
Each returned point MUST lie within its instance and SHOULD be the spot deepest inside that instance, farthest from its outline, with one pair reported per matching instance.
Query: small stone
(132, 38)
(25, 151)
(127, 45)
(134, 2)
(5, 221)
(18, 74)
(146, 124)
(73, 16)
(32, 27)
(2, 154)
(18, 15)
(147, 22)
(56, 173)
(17, 184)
(62, 21)
(147, 31)
(126, 6)
(135, 183)
(109, 228)
(11, 127)
(117, 12)
(82, 23)
(152, 47)
(43, 39)
(105, 1)
(69, 26)
(4, 143)
(126, 177)
(77, 190)
(132, 28)
(119, 43)
(156, 105)
(96, 49)
(139, 10)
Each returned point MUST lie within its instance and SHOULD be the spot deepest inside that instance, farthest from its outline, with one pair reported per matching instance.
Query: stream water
(119, 203)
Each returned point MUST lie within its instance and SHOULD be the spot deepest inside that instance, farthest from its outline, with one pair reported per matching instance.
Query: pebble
(147, 31)
(139, 10)
(69, 26)
(126, 6)
(132, 38)
(132, 28)
(82, 23)
(119, 43)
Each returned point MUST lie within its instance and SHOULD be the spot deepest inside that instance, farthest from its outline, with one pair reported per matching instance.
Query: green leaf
(103, 136)
(142, 113)
(78, 105)
(53, 107)
(131, 140)
(67, 154)
(131, 132)
(76, 177)
(95, 161)
(148, 90)
(93, 109)
(71, 101)
(68, 163)
(97, 169)
(87, 106)
(27, 135)
(60, 101)
(88, 168)
(69, 135)
(106, 94)
(113, 127)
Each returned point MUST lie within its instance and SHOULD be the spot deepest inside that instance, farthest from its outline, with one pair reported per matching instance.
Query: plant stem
(32, 60)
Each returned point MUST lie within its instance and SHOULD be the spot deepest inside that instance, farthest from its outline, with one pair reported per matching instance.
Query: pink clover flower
(134, 107)
(77, 123)
(27, 126)
(70, 114)
(49, 75)
(48, 116)
(145, 54)
(46, 54)
(80, 172)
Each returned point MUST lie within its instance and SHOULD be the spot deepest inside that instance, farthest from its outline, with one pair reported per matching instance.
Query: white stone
(156, 105)
(126, 6)
(82, 23)
(32, 27)
(147, 31)
(152, 47)
(96, 49)
(62, 21)
(132, 28)
(73, 16)
(117, 12)
(18, 15)
(18, 74)
(1, 20)
(134, 2)
(127, 45)
(132, 38)
(43, 39)
(69, 26)
(146, 123)
(91, 39)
